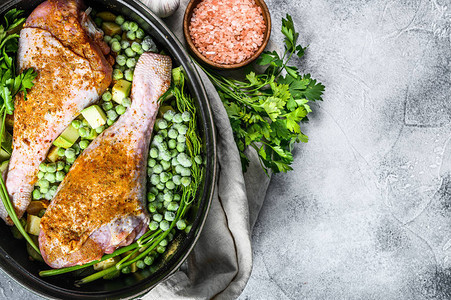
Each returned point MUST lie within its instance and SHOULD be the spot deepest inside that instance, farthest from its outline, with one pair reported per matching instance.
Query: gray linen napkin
(221, 262)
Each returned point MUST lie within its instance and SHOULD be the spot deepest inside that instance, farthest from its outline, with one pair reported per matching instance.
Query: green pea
(121, 60)
(76, 124)
(163, 133)
(60, 165)
(126, 102)
(125, 26)
(133, 27)
(153, 152)
(128, 74)
(100, 129)
(168, 196)
(44, 191)
(164, 242)
(61, 151)
(162, 124)
(43, 167)
(160, 186)
(112, 41)
(120, 110)
(165, 155)
(69, 153)
(181, 148)
(84, 144)
(170, 185)
(83, 131)
(48, 195)
(153, 225)
(150, 197)
(152, 207)
(155, 179)
(185, 181)
(158, 169)
(106, 96)
(173, 134)
(157, 217)
(85, 123)
(174, 161)
(107, 39)
(140, 264)
(126, 270)
(177, 197)
(139, 33)
(186, 172)
(117, 74)
(136, 47)
(173, 206)
(160, 197)
(164, 177)
(151, 162)
(176, 179)
(131, 62)
(66, 168)
(159, 205)
(148, 260)
(51, 167)
(165, 164)
(92, 134)
(129, 52)
(119, 20)
(181, 138)
(107, 106)
(36, 194)
(177, 118)
(112, 115)
(60, 176)
(164, 225)
(131, 35)
(70, 160)
(188, 228)
(41, 174)
(109, 122)
(43, 183)
(125, 44)
(116, 47)
(183, 129)
(181, 224)
(186, 116)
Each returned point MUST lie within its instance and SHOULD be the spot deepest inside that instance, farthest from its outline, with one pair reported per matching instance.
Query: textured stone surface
(366, 212)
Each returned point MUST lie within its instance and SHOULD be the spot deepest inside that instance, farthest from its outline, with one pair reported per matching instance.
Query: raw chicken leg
(100, 204)
(59, 42)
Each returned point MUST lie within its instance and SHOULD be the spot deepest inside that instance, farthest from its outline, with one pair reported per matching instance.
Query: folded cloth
(221, 262)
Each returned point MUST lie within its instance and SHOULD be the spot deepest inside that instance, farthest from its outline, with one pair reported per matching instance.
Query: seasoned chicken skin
(100, 205)
(59, 42)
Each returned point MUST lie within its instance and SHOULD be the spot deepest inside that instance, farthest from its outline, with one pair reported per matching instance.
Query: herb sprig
(265, 109)
(10, 85)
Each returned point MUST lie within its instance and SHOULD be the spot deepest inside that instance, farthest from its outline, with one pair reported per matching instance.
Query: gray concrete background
(366, 212)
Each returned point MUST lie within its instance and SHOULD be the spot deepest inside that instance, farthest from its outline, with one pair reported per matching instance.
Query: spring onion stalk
(5, 197)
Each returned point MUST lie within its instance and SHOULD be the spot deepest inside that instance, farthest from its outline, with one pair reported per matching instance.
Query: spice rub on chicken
(100, 204)
(60, 42)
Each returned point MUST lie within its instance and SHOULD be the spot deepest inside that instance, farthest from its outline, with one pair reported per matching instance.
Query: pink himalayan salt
(227, 32)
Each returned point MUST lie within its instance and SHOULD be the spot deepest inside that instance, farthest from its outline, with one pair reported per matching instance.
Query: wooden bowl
(186, 21)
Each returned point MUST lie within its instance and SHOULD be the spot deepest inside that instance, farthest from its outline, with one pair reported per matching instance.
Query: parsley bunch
(10, 83)
(265, 109)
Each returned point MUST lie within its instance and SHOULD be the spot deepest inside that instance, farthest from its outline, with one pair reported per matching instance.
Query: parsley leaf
(266, 109)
